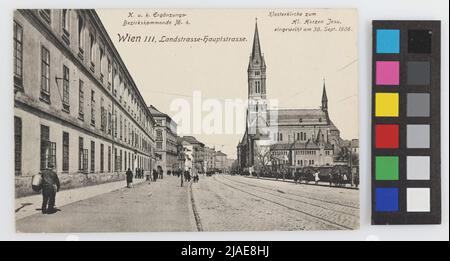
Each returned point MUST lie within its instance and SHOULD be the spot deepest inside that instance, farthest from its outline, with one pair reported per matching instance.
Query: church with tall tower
(294, 137)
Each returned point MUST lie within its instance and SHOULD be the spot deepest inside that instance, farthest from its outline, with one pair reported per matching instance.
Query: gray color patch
(418, 105)
(418, 136)
(418, 73)
(418, 167)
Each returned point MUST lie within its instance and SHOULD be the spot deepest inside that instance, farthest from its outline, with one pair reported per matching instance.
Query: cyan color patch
(388, 41)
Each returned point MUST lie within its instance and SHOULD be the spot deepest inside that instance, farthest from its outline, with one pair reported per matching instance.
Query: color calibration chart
(406, 185)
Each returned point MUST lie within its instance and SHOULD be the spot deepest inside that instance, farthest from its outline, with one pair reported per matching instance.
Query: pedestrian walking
(316, 177)
(50, 186)
(356, 179)
(154, 174)
(345, 179)
(300, 176)
(187, 176)
(196, 177)
(160, 172)
(129, 176)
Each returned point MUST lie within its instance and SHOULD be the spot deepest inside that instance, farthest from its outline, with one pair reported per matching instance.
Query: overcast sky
(296, 63)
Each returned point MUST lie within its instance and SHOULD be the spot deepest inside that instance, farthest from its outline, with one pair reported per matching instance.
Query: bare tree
(263, 159)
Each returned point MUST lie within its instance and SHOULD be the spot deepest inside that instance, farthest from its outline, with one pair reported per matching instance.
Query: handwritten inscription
(155, 18)
(314, 22)
(296, 21)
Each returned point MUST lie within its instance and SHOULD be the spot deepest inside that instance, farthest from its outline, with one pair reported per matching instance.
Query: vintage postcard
(143, 120)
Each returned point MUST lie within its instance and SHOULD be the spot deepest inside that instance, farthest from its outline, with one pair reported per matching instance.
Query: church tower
(324, 99)
(257, 103)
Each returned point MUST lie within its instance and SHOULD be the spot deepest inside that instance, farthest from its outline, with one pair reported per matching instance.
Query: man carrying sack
(50, 185)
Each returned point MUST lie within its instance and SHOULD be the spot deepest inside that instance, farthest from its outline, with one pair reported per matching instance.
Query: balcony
(66, 36)
(81, 53)
(18, 83)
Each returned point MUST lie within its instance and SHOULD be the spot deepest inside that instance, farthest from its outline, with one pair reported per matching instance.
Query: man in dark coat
(50, 185)
(155, 175)
(129, 175)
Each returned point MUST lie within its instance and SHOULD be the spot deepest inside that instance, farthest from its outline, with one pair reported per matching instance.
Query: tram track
(328, 206)
(294, 194)
(291, 208)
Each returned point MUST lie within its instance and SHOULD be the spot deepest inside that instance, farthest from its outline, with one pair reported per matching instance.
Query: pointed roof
(155, 112)
(320, 138)
(324, 93)
(220, 153)
(256, 51)
(192, 140)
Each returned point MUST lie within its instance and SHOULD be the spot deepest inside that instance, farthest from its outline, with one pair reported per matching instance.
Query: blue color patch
(386, 199)
(388, 41)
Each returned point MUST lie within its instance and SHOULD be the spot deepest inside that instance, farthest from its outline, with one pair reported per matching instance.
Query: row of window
(298, 136)
(306, 152)
(258, 88)
(115, 77)
(105, 116)
(301, 152)
(305, 162)
(48, 153)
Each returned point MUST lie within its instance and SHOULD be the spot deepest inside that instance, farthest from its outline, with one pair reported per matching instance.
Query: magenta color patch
(388, 73)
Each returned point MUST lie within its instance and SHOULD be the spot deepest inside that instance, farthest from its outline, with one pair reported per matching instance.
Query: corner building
(76, 106)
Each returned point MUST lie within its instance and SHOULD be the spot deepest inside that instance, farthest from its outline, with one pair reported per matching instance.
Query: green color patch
(386, 167)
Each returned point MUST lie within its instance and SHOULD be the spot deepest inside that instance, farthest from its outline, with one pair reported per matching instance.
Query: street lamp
(181, 158)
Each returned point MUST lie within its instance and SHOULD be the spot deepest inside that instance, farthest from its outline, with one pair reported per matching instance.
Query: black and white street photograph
(184, 120)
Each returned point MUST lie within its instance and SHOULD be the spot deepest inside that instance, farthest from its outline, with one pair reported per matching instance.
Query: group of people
(306, 176)
(139, 174)
(50, 183)
(188, 176)
(157, 174)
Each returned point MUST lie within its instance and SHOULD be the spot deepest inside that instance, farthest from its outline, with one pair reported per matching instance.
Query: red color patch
(386, 136)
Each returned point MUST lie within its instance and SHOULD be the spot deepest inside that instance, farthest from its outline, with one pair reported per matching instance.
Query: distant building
(76, 106)
(299, 136)
(188, 150)
(210, 159)
(198, 150)
(221, 161)
(229, 164)
(166, 140)
(352, 145)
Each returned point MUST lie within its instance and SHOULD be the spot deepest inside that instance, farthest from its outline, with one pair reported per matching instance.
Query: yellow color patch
(386, 104)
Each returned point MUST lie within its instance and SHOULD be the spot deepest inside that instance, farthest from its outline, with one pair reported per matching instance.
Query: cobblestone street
(235, 203)
(217, 203)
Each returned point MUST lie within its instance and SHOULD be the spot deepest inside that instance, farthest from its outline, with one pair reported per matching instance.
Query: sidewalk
(27, 206)
(312, 183)
(160, 206)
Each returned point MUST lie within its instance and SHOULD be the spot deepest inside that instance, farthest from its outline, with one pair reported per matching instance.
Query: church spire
(324, 98)
(256, 51)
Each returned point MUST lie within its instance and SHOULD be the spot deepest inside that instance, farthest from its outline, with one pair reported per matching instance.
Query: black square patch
(419, 41)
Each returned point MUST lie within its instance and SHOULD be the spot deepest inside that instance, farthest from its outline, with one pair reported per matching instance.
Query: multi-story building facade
(221, 161)
(166, 140)
(76, 106)
(301, 155)
(210, 159)
(188, 156)
(198, 153)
